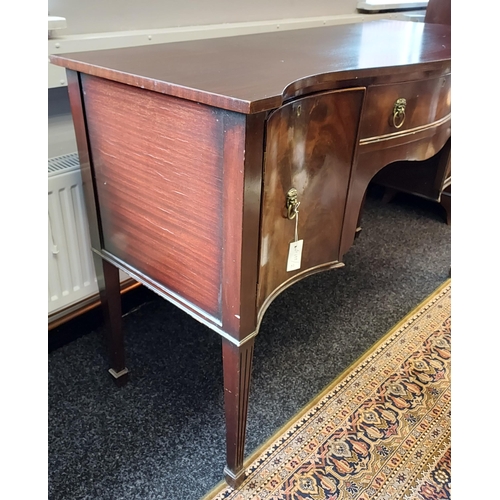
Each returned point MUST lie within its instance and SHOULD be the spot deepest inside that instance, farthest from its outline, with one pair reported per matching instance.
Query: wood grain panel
(158, 166)
(427, 101)
(310, 146)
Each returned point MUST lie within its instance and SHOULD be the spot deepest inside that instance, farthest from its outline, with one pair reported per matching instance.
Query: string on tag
(296, 226)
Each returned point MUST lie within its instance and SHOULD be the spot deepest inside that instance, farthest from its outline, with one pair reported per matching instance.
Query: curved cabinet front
(310, 146)
(403, 109)
(415, 131)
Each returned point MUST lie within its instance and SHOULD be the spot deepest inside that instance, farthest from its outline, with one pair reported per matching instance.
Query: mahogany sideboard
(219, 172)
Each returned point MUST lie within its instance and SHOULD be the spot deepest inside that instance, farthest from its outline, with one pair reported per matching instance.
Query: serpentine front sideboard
(219, 172)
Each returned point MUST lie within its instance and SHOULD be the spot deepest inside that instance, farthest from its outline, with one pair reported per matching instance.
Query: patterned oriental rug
(380, 431)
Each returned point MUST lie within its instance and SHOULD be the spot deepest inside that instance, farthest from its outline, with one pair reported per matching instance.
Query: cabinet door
(310, 146)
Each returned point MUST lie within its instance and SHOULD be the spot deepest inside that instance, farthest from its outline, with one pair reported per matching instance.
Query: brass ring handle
(399, 113)
(292, 203)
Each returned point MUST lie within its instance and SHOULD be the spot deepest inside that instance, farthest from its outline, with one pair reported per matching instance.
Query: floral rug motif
(381, 431)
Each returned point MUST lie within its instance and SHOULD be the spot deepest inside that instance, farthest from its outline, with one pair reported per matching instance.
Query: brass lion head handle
(399, 113)
(292, 203)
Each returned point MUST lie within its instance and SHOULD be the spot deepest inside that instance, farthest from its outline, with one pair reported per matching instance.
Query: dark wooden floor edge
(86, 306)
(91, 318)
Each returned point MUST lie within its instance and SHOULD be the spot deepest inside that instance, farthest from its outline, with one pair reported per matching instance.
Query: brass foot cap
(232, 479)
(120, 377)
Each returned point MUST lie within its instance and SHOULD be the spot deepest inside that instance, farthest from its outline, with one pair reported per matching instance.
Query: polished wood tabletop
(252, 73)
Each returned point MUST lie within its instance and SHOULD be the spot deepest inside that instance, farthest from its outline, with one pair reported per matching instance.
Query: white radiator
(72, 281)
(71, 268)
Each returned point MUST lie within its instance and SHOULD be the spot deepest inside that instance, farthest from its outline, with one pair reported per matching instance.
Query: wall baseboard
(71, 312)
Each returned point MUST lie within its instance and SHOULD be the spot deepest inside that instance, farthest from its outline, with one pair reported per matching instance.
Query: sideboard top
(253, 73)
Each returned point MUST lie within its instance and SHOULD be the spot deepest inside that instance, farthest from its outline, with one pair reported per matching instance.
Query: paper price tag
(294, 255)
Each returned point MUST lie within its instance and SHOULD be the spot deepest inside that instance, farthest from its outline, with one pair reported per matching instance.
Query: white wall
(96, 16)
(61, 134)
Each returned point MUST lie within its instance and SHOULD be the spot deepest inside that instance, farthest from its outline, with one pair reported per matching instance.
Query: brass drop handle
(399, 113)
(292, 203)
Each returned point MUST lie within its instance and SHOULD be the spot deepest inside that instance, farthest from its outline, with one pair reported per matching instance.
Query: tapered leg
(360, 215)
(446, 203)
(237, 363)
(108, 280)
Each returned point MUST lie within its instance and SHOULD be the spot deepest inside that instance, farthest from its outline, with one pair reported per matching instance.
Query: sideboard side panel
(158, 167)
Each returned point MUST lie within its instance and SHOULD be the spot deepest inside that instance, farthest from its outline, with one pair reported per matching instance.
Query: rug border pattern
(280, 441)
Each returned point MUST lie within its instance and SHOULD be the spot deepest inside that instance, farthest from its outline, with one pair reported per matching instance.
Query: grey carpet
(162, 436)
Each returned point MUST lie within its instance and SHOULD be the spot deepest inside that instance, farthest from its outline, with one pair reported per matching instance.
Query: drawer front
(395, 108)
(310, 147)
